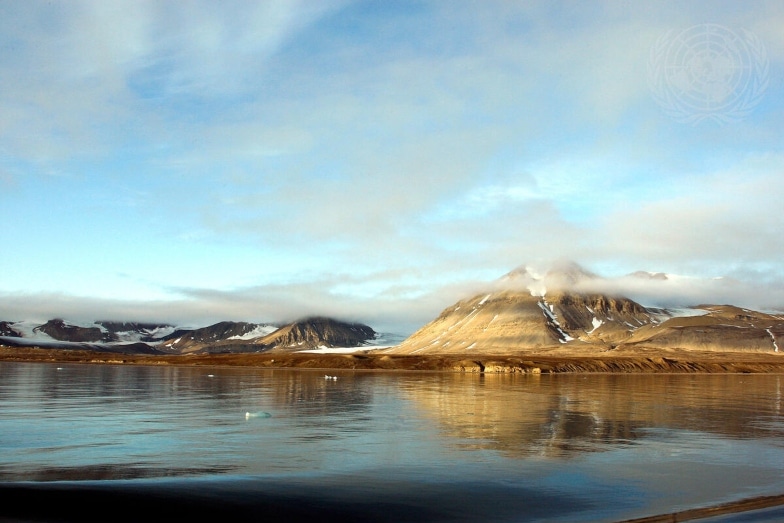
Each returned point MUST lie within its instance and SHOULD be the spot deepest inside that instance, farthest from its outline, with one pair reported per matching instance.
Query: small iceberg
(249, 415)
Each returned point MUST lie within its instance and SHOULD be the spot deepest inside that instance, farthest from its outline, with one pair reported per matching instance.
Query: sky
(193, 162)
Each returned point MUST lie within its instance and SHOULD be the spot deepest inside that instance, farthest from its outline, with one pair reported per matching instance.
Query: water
(283, 445)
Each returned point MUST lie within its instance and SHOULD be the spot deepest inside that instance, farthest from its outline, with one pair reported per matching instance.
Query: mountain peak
(645, 275)
(562, 275)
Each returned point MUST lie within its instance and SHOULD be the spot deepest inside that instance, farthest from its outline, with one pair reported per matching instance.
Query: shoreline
(649, 361)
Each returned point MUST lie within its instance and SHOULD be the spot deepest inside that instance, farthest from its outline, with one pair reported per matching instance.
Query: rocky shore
(545, 363)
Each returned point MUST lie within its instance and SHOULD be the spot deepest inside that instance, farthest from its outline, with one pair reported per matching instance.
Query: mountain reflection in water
(561, 415)
(379, 446)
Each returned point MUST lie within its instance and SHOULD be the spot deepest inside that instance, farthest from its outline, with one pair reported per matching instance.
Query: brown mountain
(511, 321)
(317, 332)
(721, 328)
(528, 313)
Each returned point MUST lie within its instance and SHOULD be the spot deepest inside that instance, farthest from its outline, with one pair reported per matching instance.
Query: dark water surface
(135, 443)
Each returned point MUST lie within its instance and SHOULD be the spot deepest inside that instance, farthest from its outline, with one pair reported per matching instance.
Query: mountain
(717, 328)
(225, 332)
(134, 331)
(509, 320)
(318, 332)
(564, 309)
(106, 332)
(153, 338)
(7, 329)
(116, 337)
(98, 332)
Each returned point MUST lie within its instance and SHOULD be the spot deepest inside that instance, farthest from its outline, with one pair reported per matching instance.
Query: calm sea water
(281, 445)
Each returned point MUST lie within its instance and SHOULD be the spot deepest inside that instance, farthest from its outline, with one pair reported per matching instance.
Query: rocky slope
(317, 332)
(720, 328)
(504, 321)
(225, 332)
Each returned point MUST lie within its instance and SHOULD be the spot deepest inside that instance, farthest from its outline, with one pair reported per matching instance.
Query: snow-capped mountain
(104, 332)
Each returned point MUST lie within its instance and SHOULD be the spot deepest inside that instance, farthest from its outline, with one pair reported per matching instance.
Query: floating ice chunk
(249, 415)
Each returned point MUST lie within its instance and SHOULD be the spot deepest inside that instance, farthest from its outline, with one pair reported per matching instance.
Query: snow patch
(27, 330)
(490, 323)
(596, 322)
(682, 312)
(547, 310)
(549, 313)
(258, 332)
(772, 337)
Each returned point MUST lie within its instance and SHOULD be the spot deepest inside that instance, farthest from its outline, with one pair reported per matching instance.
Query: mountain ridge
(154, 338)
(562, 308)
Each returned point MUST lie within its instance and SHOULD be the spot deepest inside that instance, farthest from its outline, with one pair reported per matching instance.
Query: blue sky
(202, 161)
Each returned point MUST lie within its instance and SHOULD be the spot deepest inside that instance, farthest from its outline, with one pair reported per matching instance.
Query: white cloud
(716, 220)
(374, 138)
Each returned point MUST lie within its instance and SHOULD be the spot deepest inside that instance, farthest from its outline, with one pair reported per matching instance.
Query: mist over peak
(561, 275)
(651, 288)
